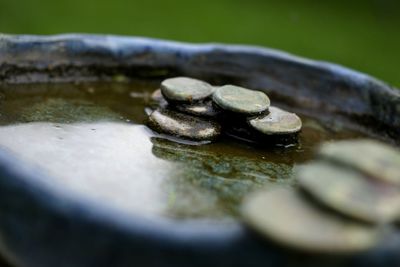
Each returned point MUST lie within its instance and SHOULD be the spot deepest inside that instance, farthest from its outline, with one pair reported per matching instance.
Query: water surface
(91, 140)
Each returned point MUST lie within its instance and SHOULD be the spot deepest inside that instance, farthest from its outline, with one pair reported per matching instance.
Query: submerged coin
(285, 217)
(371, 157)
(203, 109)
(241, 100)
(182, 125)
(350, 192)
(277, 122)
(186, 90)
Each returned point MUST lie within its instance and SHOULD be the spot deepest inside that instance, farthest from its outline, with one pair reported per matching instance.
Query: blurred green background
(364, 35)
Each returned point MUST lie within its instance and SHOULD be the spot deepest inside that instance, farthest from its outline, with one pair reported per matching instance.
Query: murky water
(91, 140)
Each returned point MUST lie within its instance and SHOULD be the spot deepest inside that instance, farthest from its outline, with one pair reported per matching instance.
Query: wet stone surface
(350, 192)
(241, 100)
(373, 158)
(185, 90)
(277, 122)
(203, 109)
(182, 125)
(284, 216)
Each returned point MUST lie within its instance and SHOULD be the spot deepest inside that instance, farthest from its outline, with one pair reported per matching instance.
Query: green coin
(374, 158)
(241, 100)
(284, 216)
(277, 122)
(182, 125)
(186, 90)
(350, 192)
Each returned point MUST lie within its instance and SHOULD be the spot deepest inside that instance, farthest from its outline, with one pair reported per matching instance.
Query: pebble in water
(241, 100)
(371, 157)
(285, 217)
(185, 90)
(350, 192)
(233, 107)
(277, 122)
(182, 125)
(203, 109)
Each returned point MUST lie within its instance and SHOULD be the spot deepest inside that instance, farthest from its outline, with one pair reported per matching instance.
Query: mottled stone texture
(42, 228)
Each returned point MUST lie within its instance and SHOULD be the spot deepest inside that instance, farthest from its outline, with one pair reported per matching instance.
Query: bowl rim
(28, 53)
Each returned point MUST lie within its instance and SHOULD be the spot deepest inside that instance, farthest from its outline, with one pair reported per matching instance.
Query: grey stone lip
(46, 228)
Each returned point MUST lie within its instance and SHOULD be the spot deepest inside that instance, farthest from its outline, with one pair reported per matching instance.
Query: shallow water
(91, 140)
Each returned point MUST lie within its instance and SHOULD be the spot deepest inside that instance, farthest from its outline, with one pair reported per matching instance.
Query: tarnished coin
(277, 122)
(182, 125)
(241, 100)
(157, 98)
(202, 109)
(350, 192)
(371, 157)
(285, 217)
(186, 90)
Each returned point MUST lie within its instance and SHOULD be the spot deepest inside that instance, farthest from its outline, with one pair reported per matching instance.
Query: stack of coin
(345, 202)
(193, 109)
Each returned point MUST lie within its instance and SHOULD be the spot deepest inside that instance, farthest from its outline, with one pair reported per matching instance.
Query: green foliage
(359, 34)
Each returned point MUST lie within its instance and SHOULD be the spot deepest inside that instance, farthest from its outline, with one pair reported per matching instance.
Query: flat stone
(349, 192)
(241, 100)
(277, 122)
(202, 109)
(284, 216)
(186, 90)
(374, 158)
(182, 125)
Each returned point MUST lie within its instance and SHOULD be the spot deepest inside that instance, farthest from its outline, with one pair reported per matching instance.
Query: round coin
(185, 90)
(241, 100)
(277, 122)
(284, 216)
(350, 192)
(203, 109)
(371, 157)
(182, 125)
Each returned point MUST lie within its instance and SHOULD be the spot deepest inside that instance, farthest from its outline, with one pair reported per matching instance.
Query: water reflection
(118, 165)
(226, 178)
(109, 162)
(85, 138)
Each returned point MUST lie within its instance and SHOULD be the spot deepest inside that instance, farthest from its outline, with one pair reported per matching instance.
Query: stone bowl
(44, 228)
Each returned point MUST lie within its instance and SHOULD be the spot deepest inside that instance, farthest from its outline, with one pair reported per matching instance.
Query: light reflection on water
(107, 161)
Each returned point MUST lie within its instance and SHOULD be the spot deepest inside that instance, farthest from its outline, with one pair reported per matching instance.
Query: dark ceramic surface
(43, 228)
